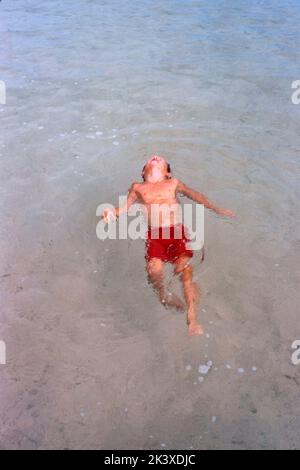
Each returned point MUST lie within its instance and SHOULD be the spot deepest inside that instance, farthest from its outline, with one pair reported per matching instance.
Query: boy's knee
(154, 269)
(185, 271)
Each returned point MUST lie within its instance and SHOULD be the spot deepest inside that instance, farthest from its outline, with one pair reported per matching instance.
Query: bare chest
(158, 193)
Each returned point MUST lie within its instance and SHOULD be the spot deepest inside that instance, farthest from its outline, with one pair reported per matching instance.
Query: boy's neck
(154, 179)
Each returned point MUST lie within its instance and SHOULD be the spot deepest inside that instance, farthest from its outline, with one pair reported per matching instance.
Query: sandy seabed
(93, 359)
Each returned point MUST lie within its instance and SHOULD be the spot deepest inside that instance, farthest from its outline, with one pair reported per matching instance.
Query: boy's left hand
(226, 213)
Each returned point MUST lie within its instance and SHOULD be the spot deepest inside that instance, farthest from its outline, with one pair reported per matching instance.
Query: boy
(158, 191)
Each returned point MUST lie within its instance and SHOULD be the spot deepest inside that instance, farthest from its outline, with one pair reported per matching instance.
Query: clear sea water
(92, 89)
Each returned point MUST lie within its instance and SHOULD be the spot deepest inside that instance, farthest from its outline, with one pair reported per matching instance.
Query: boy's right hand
(109, 214)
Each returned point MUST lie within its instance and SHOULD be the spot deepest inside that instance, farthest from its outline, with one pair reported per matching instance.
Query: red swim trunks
(167, 243)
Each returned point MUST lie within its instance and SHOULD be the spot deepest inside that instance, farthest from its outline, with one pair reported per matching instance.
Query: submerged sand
(93, 359)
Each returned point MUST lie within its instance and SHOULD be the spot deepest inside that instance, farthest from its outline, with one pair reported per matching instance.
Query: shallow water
(94, 88)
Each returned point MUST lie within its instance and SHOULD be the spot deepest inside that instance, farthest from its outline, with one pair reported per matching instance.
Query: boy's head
(156, 169)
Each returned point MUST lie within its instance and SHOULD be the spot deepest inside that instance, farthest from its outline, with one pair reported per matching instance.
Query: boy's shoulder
(135, 185)
(174, 180)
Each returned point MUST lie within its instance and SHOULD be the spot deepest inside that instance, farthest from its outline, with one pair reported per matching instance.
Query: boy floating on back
(167, 240)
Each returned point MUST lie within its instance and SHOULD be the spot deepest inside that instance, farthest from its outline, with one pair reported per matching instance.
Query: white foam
(204, 368)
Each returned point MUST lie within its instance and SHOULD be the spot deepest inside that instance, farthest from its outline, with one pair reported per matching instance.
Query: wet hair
(168, 170)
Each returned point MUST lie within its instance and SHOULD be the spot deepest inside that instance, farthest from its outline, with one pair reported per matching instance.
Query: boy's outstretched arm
(108, 214)
(201, 199)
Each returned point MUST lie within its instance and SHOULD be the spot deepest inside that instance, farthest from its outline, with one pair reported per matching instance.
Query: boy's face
(157, 167)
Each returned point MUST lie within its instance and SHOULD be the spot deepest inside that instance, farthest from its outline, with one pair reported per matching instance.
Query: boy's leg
(155, 270)
(191, 293)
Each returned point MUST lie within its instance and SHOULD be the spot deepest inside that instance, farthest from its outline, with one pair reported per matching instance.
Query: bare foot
(172, 301)
(195, 329)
